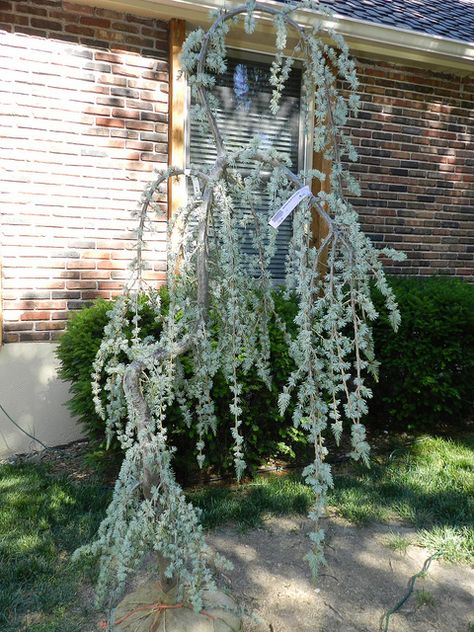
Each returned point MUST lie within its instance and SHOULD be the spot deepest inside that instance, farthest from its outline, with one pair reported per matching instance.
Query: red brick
(109, 122)
(95, 274)
(23, 7)
(12, 337)
(81, 285)
(50, 326)
(94, 21)
(95, 254)
(46, 25)
(126, 27)
(18, 326)
(33, 336)
(35, 315)
(110, 265)
(109, 285)
(80, 264)
(91, 296)
(71, 8)
(13, 19)
(418, 205)
(77, 29)
(55, 285)
(126, 113)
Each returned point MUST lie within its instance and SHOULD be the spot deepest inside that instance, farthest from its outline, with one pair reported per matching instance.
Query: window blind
(244, 93)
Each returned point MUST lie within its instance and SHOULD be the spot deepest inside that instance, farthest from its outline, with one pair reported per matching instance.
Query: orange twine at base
(158, 608)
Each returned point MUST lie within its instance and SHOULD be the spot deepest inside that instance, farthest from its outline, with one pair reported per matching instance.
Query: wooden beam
(177, 113)
(319, 227)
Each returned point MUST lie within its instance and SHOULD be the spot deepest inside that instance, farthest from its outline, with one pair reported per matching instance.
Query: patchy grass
(429, 485)
(247, 504)
(457, 543)
(42, 520)
(397, 542)
(424, 598)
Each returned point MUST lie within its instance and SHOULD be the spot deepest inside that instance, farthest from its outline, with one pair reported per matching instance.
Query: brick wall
(415, 137)
(83, 120)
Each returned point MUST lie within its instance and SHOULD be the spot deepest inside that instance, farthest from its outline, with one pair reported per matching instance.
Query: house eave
(363, 37)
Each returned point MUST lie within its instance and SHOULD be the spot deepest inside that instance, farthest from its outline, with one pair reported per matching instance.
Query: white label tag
(288, 206)
(196, 187)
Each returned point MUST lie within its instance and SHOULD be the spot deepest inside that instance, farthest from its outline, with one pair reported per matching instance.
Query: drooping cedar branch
(219, 313)
(131, 380)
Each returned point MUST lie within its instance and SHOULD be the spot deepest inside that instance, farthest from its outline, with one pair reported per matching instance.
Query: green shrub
(426, 373)
(273, 435)
(76, 351)
(427, 367)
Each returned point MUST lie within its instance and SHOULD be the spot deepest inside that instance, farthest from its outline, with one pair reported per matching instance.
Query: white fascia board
(387, 41)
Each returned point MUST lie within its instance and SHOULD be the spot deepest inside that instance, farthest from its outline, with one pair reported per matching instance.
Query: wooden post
(177, 112)
(319, 226)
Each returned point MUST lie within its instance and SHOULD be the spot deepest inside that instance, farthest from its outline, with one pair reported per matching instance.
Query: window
(244, 94)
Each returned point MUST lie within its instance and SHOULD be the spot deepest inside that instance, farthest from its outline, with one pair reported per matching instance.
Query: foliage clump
(267, 434)
(221, 304)
(424, 379)
(426, 370)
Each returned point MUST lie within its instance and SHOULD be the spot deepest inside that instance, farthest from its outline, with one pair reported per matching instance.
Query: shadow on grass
(432, 482)
(43, 519)
(429, 486)
(247, 504)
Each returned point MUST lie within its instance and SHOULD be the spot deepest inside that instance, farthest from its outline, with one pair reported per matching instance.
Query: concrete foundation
(33, 395)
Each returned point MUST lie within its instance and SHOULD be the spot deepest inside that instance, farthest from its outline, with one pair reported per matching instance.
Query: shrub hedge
(426, 368)
(425, 378)
(266, 432)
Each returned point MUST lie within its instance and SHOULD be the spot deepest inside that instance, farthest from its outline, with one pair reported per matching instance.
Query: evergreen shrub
(425, 376)
(267, 433)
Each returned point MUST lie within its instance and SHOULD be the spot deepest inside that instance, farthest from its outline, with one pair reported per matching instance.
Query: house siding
(84, 120)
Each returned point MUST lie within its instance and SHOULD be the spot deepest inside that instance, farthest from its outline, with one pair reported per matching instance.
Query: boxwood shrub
(425, 378)
(427, 367)
(266, 432)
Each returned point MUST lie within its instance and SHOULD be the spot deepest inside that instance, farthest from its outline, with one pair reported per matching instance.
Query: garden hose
(9, 417)
(385, 620)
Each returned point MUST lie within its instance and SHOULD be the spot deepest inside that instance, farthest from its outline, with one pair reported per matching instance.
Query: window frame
(305, 154)
(178, 156)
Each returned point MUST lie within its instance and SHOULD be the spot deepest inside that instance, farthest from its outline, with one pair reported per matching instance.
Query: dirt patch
(362, 580)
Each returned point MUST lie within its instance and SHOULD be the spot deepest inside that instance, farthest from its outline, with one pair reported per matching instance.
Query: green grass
(246, 505)
(424, 598)
(429, 486)
(398, 542)
(42, 520)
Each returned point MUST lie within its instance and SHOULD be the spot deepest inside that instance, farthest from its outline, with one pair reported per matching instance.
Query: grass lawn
(430, 486)
(43, 518)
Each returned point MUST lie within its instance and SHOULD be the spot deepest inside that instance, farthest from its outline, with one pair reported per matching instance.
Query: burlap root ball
(150, 609)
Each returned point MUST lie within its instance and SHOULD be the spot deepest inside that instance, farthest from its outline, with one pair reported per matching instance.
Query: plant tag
(196, 187)
(289, 205)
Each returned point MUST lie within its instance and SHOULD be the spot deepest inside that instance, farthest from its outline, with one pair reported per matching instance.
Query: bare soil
(362, 580)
